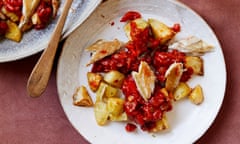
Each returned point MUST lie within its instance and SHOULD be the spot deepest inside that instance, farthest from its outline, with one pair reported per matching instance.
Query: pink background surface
(26, 120)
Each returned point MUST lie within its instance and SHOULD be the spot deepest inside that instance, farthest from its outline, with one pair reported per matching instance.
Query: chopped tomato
(44, 12)
(144, 113)
(130, 127)
(3, 27)
(176, 28)
(13, 5)
(131, 15)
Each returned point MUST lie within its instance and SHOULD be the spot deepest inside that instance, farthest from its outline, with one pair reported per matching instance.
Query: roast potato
(196, 96)
(94, 80)
(114, 78)
(121, 117)
(181, 91)
(101, 113)
(81, 97)
(115, 106)
(161, 31)
(13, 32)
(106, 91)
(196, 63)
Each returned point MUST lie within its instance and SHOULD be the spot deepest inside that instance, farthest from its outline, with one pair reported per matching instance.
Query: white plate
(35, 41)
(188, 122)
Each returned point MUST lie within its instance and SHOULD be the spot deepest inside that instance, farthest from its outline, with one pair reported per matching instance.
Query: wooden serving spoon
(39, 77)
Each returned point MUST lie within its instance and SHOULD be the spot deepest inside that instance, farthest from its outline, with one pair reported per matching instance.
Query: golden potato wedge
(106, 91)
(81, 97)
(13, 32)
(101, 92)
(181, 91)
(161, 31)
(114, 78)
(121, 117)
(101, 113)
(196, 63)
(94, 80)
(115, 106)
(111, 91)
(141, 24)
(196, 96)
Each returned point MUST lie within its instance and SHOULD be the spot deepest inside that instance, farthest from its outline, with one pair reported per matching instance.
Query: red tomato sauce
(176, 28)
(143, 47)
(162, 60)
(130, 127)
(1, 3)
(14, 6)
(144, 113)
(3, 28)
(44, 12)
(131, 15)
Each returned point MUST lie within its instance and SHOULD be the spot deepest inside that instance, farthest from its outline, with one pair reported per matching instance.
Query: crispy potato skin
(13, 32)
(196, 63)
(94, 80)
(161, 31)
(196, 96)
(181, 91)
(101, 112)
(81, 97)
(114, 78)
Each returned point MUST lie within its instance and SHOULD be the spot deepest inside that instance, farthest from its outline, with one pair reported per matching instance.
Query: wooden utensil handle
(40, 75)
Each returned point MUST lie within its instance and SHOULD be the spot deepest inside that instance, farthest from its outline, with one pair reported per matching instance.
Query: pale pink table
(24, 120)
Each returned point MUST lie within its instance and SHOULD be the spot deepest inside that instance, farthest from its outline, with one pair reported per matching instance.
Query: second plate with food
(187, 121)
(35, 41)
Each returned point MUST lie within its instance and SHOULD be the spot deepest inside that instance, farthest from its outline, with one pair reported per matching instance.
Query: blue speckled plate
(35, 41)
